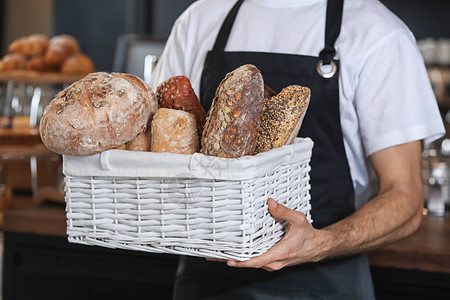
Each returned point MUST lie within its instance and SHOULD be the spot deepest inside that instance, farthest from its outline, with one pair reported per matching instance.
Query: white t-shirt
(385, 94)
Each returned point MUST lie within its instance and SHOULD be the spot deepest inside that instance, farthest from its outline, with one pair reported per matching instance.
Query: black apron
(332, 195)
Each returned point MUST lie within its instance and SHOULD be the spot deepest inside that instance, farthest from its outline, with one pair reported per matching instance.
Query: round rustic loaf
(99, 112)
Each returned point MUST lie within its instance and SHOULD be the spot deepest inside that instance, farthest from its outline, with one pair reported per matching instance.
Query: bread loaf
(12, 61)
(32, 45)
(177, 93)
(282, 117)
(142, 142)
(174, 131)
(36, 63)
(97, 113)
(59, 49)
(233, 122)
(78, 63)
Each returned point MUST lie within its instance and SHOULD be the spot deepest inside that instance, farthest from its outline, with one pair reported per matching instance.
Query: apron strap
(225, 30)
(332, 29)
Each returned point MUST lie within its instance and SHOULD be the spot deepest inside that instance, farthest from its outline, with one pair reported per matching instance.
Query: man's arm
(395, 213)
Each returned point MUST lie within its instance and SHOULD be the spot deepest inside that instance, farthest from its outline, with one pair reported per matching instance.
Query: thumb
(282, 212)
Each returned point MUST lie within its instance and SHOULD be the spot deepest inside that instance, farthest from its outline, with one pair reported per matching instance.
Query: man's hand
(301, 243)
(395, 213)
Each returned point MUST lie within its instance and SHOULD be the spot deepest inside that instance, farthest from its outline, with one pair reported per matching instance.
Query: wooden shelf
(32, 77)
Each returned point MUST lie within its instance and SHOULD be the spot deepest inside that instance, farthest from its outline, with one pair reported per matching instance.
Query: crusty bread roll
(78, 63)
(177, 93)
(32, 45)
(99, 112)
(143, 142)
(174, 131)
(12, 61)
(233, 121)
(36, 63)
(282, 117)
(60, 48)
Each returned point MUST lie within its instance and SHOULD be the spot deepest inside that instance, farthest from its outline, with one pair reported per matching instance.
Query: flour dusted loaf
(282, 117)
(99, 112)
(174, 131)
(233, 121)
(177, 93)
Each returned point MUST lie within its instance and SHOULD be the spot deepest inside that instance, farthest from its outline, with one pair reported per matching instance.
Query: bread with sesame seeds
(99, 112)
(233, 121)
(177, 93)
(282, 117)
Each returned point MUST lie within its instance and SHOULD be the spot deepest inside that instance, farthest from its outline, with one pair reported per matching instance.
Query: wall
(24, 17)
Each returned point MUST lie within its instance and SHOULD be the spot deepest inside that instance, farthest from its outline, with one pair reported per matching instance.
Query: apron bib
(332, 195)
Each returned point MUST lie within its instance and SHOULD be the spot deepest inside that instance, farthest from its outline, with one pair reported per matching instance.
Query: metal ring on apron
(326, 74)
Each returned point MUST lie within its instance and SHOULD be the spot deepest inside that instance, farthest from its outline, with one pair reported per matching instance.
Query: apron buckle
(326, 73)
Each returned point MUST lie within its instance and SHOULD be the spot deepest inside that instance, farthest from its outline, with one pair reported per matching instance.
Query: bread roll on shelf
(32, 45)
(174, 131)
(60, 48)
(78, 63)
(282, 117)
(233, 121)
(12, 61)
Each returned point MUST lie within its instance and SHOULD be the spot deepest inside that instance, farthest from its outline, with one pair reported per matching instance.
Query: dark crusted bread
(177, 93)
(282, 117)
(233, 121)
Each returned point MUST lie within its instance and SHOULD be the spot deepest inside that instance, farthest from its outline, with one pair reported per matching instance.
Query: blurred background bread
(78, 63)
(37, 53)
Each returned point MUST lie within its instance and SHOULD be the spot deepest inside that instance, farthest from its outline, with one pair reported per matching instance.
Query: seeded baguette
(99, 112)
(282, 117)
(233, 121)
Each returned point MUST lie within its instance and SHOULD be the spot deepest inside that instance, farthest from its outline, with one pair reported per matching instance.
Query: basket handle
(104, 161)
(194, 161)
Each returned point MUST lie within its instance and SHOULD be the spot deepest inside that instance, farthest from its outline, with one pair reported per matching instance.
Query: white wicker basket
(184, 204)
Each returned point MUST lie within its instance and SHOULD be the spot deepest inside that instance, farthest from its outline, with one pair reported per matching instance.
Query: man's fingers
(282, 212)
(273, 254)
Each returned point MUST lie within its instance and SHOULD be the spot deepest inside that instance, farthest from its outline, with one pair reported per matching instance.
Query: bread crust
(59, 49)
(233, 122)
(282, 117)
(97, 113)
(78, 63)
(174, 131)
(177, 93)
(32, 45)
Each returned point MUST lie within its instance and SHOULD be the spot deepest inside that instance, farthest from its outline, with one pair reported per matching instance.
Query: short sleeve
(394, 99)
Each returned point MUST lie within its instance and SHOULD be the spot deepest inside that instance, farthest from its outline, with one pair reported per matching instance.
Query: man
(371, 104)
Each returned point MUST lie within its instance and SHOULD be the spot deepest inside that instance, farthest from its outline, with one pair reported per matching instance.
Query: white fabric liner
(113, 163)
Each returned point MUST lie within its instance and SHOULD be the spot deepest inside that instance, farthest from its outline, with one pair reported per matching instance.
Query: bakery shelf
(33, 77)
